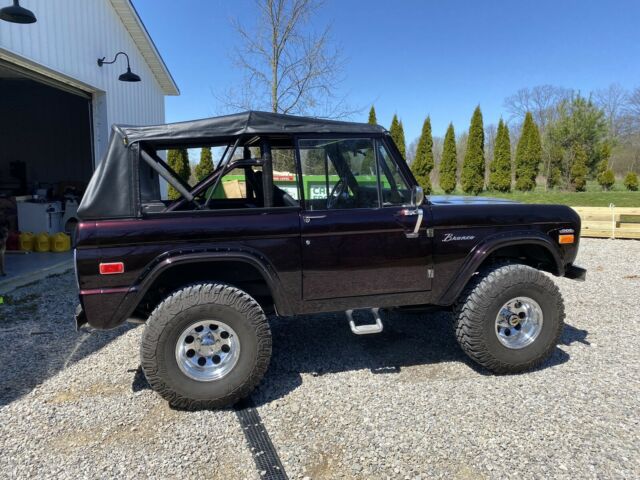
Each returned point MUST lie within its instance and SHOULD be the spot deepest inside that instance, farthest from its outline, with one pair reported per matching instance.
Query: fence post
(612, 207)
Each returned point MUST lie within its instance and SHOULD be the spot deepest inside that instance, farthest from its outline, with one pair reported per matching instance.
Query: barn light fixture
(127, 76)
(17, 14)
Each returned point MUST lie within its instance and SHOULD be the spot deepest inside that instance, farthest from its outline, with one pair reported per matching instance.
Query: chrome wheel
(519, 322)
(207, 350)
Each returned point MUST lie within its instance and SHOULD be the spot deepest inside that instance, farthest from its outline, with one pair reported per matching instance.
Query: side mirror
(417, 196)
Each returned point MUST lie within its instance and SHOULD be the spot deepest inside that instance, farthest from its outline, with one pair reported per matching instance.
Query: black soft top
(245, 123)
(114, 189)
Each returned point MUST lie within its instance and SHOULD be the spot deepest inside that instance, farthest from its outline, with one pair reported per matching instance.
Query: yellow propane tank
(43, 243)
(26, 241)
(60, 242)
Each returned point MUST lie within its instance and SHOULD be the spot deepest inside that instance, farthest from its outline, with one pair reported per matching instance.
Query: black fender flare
(172, 259)
(489, 245)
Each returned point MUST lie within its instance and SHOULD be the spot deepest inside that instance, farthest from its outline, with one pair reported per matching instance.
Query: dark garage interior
(46, 152)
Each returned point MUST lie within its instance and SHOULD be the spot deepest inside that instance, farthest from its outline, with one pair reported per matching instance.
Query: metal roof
(133, 23)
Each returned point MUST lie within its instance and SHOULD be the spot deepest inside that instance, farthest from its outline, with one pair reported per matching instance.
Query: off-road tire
(477, 307)
(196, 302)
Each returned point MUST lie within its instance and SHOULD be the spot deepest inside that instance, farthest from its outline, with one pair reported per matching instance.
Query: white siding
(67, 39)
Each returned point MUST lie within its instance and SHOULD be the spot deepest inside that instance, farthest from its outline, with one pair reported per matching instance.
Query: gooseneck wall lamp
(127, 76)
(17, 14)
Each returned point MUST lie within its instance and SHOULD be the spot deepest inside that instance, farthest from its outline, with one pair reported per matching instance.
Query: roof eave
(134, 25)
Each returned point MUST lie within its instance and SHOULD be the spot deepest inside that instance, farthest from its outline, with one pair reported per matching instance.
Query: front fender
(491, 244)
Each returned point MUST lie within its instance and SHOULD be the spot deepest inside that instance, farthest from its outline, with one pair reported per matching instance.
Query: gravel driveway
(402, 404)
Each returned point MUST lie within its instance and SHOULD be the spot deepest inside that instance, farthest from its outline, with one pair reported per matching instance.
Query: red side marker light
(111, 268)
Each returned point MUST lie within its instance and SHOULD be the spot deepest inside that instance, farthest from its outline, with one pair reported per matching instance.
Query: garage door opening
(45, 135)
(46, 150)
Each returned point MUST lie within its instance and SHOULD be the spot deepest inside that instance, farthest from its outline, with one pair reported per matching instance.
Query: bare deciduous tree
(541, 101)
(613, 102)
(287, 67)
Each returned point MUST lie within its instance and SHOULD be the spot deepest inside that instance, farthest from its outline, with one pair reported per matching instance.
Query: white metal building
(56, 104)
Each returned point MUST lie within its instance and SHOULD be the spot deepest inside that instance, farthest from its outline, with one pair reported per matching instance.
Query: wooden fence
(609, 222)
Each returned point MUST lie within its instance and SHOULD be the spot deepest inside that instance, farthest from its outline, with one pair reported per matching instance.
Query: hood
(464, 200)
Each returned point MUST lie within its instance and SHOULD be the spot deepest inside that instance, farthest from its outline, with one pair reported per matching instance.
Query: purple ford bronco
(301, 216)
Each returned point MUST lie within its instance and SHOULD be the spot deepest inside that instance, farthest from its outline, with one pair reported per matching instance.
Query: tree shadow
(37, 342)
(324, 344)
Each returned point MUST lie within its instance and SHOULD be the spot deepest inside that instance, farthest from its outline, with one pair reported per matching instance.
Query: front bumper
(576, 273)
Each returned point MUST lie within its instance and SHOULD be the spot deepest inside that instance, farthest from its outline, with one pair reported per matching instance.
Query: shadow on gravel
(324, 344)
(35, 345)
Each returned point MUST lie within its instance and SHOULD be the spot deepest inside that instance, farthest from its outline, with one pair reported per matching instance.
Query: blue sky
(416, 58)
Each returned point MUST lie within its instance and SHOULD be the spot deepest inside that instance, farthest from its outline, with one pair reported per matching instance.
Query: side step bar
(368, 328)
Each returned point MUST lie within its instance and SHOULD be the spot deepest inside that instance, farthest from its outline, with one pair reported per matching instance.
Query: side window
(394, 188)
(339, 173)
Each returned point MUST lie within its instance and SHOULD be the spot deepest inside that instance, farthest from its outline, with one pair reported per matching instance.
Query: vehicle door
(359, 234)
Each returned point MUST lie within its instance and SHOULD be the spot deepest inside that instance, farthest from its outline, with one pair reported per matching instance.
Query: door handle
(410, 212)
(308, 218)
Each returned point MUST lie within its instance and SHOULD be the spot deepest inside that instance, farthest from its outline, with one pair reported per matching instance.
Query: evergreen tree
(500, 168)
(372, 116)
(423, 163)
(631, 182)
(473, 167)
(178, 160)
(449, 162)
(528, 155)
(397, 134)
(205, 166)
(605, 176)
(554, 175)
(579, 169)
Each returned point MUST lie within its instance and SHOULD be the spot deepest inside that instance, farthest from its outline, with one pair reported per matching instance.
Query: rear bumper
(576, 273)
(81, 318)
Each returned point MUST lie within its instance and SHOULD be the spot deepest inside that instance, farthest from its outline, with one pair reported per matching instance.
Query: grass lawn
(593, 197)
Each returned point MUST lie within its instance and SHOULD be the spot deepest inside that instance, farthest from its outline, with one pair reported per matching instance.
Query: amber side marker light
(566, 238)
(111, 268)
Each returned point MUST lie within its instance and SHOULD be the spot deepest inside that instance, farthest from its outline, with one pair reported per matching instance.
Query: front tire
(509, 318)
(206, 346)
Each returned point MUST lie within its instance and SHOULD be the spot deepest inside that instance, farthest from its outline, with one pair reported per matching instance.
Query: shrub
(631, 181)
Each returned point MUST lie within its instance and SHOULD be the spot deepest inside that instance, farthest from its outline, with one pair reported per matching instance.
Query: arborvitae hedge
(178, 160)
(423, 163)
(372, 116)
(528, 155)
(472, 177)
(397, 133)
(579, 169)
(500, 168)
(449, 162)
(205, 166)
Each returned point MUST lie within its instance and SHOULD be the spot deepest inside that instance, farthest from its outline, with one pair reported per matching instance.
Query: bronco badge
(450, 237)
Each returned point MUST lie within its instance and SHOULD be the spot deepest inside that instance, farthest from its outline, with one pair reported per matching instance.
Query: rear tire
(509, 318)
(216, 324)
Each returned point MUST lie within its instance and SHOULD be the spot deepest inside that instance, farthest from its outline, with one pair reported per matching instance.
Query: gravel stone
(405, 403)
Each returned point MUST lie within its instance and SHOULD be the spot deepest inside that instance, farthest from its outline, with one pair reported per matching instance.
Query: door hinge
(430, 273)
(430, 233)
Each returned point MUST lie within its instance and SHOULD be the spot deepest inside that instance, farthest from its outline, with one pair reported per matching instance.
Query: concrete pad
(25, 268)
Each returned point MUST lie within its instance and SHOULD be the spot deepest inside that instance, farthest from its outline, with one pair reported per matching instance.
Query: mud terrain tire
(196, 303)
(478, 306)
